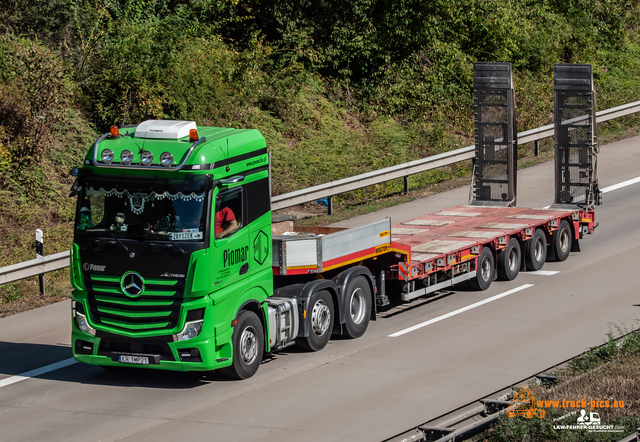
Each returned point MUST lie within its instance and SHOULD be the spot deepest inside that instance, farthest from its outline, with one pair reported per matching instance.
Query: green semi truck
(177, 262)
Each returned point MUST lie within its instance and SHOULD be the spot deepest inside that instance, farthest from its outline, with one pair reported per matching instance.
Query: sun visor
(164, 129)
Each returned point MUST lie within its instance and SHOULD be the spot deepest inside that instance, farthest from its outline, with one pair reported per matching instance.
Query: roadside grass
(607, 373)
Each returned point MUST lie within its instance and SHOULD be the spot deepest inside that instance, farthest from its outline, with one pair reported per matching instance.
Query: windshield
(141, 214)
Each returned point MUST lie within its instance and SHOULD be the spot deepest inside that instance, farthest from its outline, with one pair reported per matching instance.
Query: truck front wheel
(319, 321)
(357, 307)
(248, 346)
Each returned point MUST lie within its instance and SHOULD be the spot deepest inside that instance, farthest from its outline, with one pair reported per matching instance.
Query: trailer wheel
(248, 345)
(509, 261)
(535, 251)
(562, 241)
(484, 271)
(357, 307)
(320, 320)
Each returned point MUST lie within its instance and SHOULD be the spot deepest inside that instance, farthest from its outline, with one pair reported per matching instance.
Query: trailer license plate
(140, 360)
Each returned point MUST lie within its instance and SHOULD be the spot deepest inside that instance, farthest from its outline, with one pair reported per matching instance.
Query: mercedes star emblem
(132, 284)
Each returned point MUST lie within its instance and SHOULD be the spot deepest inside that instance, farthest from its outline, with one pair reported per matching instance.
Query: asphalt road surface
(367, 389)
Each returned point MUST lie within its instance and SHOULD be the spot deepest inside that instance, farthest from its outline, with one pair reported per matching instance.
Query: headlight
(83, 325)
(147, 158)
(190, 331)
(166, 159)
(107, 156)
(126, 157)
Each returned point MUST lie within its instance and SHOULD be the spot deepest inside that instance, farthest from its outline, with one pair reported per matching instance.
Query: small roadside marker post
(40, 254)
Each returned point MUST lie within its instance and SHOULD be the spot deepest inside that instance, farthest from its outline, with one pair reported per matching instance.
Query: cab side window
(228, 216)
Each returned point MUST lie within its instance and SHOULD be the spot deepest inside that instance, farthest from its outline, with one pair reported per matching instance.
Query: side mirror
(75, 188)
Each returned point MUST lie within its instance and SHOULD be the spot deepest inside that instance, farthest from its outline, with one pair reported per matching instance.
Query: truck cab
(172, 220)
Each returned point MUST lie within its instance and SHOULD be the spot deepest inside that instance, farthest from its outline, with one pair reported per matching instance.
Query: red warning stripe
(403, 269)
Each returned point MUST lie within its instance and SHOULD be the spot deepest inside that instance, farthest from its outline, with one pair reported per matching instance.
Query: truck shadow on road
(20, 358)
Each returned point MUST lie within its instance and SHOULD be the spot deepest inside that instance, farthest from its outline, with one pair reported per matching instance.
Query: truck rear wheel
(484, 271)
(562, 241)
(320, 322)
(248, 346)
(357, 307)
(535, 251)
(509, 261)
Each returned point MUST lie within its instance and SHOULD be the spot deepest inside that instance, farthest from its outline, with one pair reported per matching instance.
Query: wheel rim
(249, 345)
(320, 318)
(513, 260)
(357, 306)
(564, 241)
(539, 250)
(485, 271)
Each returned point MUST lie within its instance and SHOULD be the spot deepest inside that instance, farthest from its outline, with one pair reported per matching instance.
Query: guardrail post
(40, 254)
(406, 184)
(536, 149)
(330, 205)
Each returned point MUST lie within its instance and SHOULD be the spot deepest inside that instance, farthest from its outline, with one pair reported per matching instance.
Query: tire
(484, 271)
(248, 346)
(562, 241)
(320, 322)
(535, 251)
(357, 307)
(509, 261)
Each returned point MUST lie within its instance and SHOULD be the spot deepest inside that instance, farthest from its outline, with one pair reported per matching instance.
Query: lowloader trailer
(176, 263)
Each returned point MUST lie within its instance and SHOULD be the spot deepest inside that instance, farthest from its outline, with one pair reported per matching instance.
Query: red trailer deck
(443, 248)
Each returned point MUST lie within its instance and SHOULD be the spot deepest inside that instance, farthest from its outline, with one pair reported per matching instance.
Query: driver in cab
(224, 223)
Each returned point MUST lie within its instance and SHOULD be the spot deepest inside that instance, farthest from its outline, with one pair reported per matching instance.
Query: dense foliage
(337, 87)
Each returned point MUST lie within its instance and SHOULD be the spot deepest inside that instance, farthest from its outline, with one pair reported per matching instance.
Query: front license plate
(140, 360)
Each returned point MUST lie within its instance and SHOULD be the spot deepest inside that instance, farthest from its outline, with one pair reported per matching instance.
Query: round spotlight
(147, 158)
(126, 157)
(166, 159)
(107, 156)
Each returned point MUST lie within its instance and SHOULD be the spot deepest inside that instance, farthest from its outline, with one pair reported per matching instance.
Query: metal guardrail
(61, 260)
(34, 267)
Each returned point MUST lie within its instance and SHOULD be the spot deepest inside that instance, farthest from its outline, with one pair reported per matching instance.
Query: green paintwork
(210, 285)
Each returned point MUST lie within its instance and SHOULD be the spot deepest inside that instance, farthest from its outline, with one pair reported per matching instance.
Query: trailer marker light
(166, 159)
(114, 131)
(147, 158)
(107, 156)
(193, 135)
(126, 157)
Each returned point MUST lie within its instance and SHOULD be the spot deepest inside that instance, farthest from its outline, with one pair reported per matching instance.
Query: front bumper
(207, 351)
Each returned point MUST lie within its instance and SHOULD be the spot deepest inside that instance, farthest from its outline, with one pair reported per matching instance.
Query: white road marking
(620, 185)
(37, 372)
(543, 272)
(461, 310)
